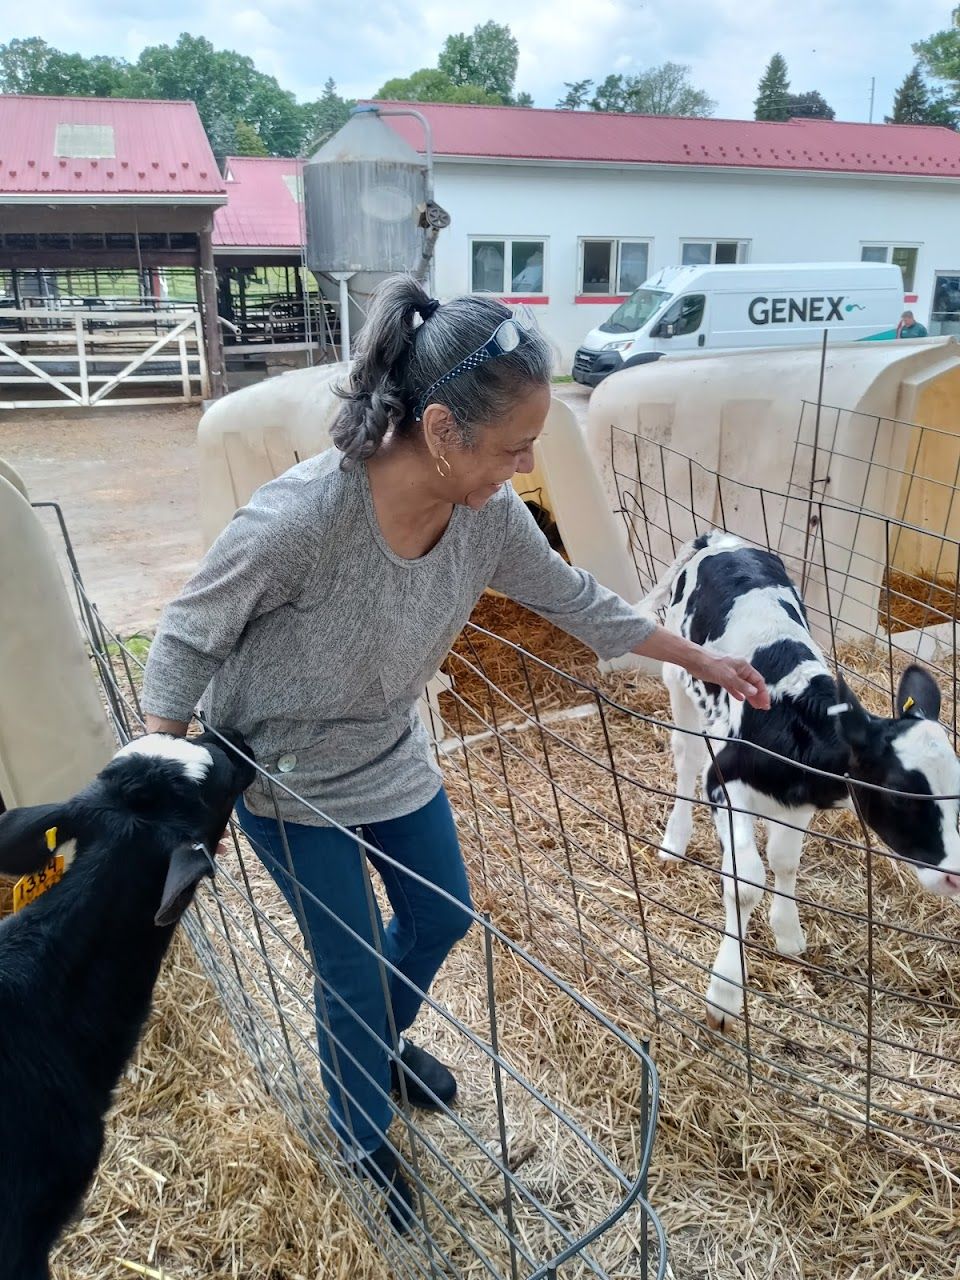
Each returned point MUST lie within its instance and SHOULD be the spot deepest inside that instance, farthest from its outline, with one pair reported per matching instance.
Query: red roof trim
(586, 137)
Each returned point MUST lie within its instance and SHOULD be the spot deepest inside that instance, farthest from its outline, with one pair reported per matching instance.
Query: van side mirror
(666, 329)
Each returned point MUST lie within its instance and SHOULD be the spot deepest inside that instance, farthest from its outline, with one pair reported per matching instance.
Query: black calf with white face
(740, 601)
(79, 963)
(191, 787)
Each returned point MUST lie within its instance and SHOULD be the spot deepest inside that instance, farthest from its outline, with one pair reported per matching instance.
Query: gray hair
(398, 360)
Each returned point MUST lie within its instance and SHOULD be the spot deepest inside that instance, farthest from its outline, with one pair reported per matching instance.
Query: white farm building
(570, 211)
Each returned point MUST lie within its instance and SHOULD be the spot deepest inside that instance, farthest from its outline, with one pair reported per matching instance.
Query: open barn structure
(94, 190)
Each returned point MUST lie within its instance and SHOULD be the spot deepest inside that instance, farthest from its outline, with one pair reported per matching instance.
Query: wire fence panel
(562, 795)
(540, 1168)
(862, 1025)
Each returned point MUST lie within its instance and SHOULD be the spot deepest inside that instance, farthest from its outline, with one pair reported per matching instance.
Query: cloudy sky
(835, 46)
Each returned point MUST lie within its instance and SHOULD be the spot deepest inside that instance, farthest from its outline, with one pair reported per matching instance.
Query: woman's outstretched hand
(737, 676)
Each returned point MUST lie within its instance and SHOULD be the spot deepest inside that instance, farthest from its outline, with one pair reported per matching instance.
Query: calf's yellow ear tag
(31, 887)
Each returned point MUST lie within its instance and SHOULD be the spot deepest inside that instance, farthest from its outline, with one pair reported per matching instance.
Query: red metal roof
(160, 149)
(261, 210)
(525, 133)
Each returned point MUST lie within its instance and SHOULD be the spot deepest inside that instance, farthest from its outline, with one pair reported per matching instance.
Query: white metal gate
(94, 357)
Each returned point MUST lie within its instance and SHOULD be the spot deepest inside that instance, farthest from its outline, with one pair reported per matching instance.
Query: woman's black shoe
(428, 1082)
(383, 1168)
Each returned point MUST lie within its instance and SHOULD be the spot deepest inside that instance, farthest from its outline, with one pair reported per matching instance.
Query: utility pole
(873, 85)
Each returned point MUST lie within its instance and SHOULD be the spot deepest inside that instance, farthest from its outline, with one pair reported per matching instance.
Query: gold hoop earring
(443, 467)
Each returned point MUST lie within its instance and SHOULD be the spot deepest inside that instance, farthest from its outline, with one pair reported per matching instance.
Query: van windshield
(636, 311)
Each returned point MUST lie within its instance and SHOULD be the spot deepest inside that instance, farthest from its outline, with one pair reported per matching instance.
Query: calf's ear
(855, 725)
(189, 863)
(29, 837)
(918, 697)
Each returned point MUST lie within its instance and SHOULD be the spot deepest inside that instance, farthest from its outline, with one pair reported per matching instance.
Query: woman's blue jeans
(335, 912)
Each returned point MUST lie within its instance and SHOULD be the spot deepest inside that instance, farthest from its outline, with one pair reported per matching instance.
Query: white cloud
(253, 24)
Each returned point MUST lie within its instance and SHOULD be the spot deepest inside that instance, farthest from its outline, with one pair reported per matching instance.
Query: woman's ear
(439, 429)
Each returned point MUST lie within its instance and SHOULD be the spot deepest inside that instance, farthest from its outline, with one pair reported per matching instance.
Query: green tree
(773, 92)
(33, 66)
(944, 111)
(666, 91)
(108, 77)
(222, 136)
(431, 85)
(913, 103)
(939, 54)
(322, 119)
(577, 96)
(487, 57)
(456, 59)
(225, 86)
(243, 110)
(809, 106)
(246, 140)
(611, 95)
(522, 100)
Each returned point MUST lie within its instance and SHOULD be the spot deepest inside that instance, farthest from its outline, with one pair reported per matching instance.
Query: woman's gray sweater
(302, 629)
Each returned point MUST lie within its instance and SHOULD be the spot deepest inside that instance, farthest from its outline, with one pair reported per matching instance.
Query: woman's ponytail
(373, 398)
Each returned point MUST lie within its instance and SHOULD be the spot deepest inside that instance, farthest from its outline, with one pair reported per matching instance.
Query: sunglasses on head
(505, 338)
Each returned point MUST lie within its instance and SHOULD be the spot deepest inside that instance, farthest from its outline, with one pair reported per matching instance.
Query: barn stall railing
(541, 1170)
(81, 358)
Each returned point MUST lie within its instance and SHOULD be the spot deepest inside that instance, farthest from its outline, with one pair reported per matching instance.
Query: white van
(730, 307)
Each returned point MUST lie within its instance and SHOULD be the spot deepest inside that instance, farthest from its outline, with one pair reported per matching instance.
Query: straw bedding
(912, 601)
(202, 1176)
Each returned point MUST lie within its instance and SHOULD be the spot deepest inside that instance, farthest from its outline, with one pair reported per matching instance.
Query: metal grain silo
(363, 193)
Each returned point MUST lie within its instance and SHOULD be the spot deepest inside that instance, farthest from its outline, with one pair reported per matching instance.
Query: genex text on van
(784, 310)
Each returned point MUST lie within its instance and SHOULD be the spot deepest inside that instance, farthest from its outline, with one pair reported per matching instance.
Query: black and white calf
(78, 964)
(740, 602)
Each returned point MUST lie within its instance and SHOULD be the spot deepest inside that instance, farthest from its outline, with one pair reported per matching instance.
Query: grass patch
(137, 646)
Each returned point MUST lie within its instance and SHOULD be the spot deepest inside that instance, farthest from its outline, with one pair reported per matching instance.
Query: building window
(945, 313)
(507, 266)
(902, 256)
(614, 267)
(706, 253)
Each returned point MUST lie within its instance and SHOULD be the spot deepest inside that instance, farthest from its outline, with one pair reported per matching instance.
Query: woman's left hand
(736, 675)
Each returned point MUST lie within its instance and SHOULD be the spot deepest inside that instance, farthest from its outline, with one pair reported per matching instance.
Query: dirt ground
(128, 485)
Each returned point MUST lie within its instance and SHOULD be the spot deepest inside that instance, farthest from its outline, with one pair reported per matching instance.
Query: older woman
(313, 625)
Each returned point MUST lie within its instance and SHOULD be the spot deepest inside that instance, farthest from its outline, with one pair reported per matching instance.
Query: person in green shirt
(909, 327)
